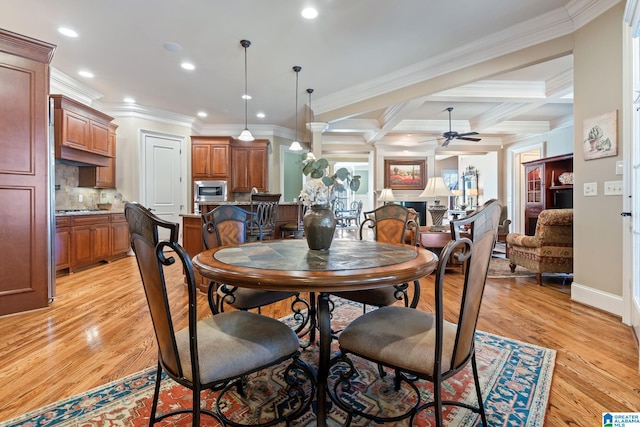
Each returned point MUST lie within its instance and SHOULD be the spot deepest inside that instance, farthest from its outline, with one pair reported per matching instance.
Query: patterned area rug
(515, 379)
(499, 269)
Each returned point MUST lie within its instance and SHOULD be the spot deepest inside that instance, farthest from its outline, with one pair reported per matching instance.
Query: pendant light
(245, 135)
(295, 145)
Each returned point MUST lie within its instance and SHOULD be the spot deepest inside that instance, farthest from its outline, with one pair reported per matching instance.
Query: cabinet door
(200, 157)
(77, 131)
(100, 242)
(80, 246)
(240, 170)
(63, 242)
(99, 138)
(119, 235)
(220, 161)
(257, 170)
(106, 176)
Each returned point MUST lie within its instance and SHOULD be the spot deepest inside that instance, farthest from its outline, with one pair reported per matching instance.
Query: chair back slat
(229, 224)
(389, 223)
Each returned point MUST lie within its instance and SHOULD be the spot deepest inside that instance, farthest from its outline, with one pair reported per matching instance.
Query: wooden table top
(290, 265)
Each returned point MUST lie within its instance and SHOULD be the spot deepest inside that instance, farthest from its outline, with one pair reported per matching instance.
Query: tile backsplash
(68, 194)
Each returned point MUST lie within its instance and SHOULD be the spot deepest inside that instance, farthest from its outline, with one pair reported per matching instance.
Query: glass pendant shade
(246, 136)
(295, 145)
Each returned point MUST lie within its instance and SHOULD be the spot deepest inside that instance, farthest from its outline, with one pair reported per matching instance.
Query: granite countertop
(76, 212)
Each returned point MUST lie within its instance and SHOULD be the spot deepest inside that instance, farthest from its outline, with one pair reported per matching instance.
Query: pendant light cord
(297, 69)
(246, 96)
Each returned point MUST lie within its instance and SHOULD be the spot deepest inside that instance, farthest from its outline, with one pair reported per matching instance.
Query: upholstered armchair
(503, 225)
(550, 250)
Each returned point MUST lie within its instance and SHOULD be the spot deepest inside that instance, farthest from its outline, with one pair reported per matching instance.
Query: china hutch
(548, 185)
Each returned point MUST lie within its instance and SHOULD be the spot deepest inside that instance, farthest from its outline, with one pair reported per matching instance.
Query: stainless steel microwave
(209, 191)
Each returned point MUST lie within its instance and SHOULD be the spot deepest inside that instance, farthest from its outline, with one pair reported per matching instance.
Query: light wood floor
(98, 330)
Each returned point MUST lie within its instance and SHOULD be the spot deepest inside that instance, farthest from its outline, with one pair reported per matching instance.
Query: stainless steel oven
(209, 191)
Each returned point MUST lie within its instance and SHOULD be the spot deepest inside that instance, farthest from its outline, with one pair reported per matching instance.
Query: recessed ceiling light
(85, 73)
(188, 66)
(172, 47)
(129, 99)
(202, 114)
(309, 13)
(245, 96)
(67, 32)
(260, 115)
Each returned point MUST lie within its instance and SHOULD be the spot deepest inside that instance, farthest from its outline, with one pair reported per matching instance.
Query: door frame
(515, 185)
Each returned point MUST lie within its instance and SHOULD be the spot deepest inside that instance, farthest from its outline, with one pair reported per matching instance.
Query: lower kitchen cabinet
(85, 240)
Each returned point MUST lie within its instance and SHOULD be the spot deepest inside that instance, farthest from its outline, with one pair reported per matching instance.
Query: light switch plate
(619, 167)
(590, 189)
(613, 188)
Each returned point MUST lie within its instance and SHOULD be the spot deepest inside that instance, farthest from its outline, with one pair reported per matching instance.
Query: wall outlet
(613, 188)
(590, 189)
(80, 198)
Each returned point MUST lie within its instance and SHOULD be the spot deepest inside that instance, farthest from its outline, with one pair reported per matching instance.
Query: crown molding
(66, 85)
(584, 11)
(125, 109)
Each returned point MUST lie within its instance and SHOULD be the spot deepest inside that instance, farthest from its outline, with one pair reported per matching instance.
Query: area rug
(515, 378)
(499, 269)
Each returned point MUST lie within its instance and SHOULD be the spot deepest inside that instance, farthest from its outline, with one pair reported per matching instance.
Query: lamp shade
(386, 195)
(473, 192)
(436, 188)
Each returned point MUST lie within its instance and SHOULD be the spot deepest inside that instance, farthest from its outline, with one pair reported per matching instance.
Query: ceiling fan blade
(467, 133)
(446, 142)
(469, 139)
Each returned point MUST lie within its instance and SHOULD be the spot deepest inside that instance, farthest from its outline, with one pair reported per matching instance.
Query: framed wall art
(405, 174)
(600, 136)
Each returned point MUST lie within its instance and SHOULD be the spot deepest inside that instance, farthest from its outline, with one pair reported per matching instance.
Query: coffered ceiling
(361, 57)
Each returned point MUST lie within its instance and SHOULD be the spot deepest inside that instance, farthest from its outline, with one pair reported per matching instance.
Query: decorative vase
(319, 227)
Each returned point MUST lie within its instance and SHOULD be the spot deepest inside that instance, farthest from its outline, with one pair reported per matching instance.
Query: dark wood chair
(390, 223)
(418, 345)
(265, 206)
(218, 352)
(229, 225)
(295, 230)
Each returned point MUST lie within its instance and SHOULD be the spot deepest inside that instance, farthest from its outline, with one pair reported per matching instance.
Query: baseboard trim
(596, 298)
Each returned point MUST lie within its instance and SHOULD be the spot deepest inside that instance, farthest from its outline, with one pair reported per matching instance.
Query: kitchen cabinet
(85, 240)
(63, 243)
(249, 166)
(120, 243)
(25, 265)
(210, 158)
(99, 176)
(81, 133)
(543, 190)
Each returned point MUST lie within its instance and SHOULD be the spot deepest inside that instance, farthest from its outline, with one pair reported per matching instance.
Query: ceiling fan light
(245, 135)
(295, 146)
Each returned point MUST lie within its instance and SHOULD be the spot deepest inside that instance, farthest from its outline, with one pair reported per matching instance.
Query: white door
(631, 205)
(162, 175)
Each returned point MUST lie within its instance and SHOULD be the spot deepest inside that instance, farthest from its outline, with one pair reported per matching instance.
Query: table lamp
(436, 188)
(457, 194)
(473, 192)
(386, 195)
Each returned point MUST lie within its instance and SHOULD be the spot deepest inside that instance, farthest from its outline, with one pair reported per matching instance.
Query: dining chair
(265, 206)
(389, 223)
(295, 230)
(422, 346)
(229, 225)
(218, 352)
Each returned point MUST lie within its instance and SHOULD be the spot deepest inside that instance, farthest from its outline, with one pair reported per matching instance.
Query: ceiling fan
(450, 135)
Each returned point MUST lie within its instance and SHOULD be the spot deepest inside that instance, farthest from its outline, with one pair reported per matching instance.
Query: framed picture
(405, 174)
(600, 136)
(450, 177)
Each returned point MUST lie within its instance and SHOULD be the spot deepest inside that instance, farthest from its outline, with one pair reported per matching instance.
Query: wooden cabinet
(543, 190)
(25, 265)
(249, 166)
(63, 242)
(210, 157)
(99, 176)
(85, 240)
(89, 240)
(81, 132)
(120, 243)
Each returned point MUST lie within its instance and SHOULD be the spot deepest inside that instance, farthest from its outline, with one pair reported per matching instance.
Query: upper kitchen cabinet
(24, 174)
(249, 166)
(101, 176)
(81, 133)
(210, 157)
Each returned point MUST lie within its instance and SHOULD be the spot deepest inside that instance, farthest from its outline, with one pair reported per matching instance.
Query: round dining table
(289, 265)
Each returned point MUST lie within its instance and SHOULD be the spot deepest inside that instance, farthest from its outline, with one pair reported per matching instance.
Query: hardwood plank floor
(98, 330)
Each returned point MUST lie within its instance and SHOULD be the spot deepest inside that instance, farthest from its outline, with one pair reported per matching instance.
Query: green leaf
(317, 173)
(354, 184)
(321, 164)
(328, 181)
(342, 174)
(307, 168)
